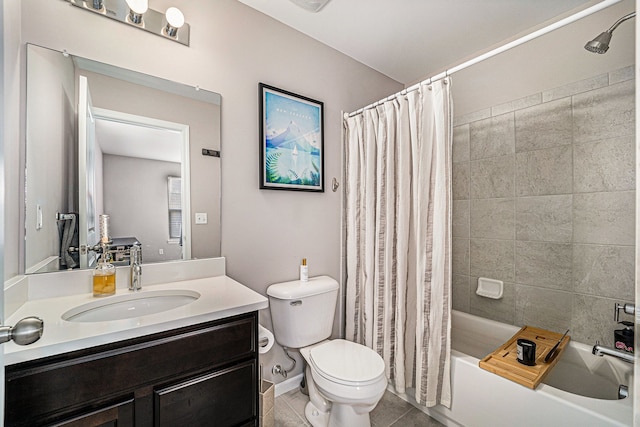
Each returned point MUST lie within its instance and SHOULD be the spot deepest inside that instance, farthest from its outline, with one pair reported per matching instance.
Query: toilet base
(315, 417)
(339, 416)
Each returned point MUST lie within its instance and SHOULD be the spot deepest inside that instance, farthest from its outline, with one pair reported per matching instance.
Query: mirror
(101, 139)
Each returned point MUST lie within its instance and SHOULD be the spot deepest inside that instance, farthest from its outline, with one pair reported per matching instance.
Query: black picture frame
(291, 141)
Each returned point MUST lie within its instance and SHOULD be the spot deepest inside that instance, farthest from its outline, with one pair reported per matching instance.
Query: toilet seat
(345, 362)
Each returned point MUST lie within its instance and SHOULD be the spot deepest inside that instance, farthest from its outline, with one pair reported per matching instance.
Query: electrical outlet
(201, 218)
(160, 251)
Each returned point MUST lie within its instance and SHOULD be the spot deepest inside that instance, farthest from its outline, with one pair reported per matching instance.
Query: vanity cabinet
(200, 375)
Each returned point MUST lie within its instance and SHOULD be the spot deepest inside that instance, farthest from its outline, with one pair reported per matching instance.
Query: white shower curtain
(398, 237)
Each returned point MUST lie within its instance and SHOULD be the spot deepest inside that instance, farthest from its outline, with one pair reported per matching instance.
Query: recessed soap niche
(490, 288)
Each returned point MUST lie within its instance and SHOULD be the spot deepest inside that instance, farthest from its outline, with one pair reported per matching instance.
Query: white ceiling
(131, 140)
(409, 40)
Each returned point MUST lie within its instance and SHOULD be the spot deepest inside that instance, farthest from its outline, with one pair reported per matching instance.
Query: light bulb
(175, 18)
(136, 9)
(138, 6)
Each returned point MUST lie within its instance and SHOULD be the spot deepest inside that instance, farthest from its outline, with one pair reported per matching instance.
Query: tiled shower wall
(544, 200)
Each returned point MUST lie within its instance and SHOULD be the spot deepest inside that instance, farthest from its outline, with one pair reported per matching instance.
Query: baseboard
(288, 385)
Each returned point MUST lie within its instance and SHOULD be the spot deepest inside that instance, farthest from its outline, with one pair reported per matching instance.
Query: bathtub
(581, 390)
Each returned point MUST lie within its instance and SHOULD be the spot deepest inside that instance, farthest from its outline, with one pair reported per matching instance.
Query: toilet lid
(346, 362)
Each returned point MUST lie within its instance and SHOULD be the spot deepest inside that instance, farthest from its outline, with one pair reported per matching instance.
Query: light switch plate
(201, 218)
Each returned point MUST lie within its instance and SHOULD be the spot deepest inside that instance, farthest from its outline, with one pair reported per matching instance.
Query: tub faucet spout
(600, 350)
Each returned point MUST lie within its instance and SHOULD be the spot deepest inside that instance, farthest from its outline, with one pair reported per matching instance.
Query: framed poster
(291, 141)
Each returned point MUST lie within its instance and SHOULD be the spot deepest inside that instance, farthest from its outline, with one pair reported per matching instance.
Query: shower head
(601, 43)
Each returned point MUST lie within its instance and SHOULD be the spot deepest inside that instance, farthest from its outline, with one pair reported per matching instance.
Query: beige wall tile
(545, 265)
(574, 88)
(460, 256)
(493, 259)
(607, 165)
(492, 137)
(500, 310)
(460, 148)
(460, 218)
(491, 178)
(543, 308)
(493, 218)
(544, 218)
(544, 172)
(604, 113)
(606, 271)
(544, 126)
(605, 218)
(460, 180)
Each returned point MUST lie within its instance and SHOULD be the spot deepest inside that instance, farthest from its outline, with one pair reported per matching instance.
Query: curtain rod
(542, 31)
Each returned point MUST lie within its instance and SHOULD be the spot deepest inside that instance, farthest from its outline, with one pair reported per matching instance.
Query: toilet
(345, 380)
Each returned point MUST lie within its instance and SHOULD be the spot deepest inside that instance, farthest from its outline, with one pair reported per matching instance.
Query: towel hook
(334, 184)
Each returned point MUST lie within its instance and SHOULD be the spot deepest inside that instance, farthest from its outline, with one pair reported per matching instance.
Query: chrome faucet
(135, 274)
(600, 350)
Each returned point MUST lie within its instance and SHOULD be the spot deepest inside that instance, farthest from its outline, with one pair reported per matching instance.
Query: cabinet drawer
(43, 391)
(118, 415)
(221, 399)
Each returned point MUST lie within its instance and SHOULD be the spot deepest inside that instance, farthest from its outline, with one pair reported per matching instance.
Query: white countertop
(220, 297)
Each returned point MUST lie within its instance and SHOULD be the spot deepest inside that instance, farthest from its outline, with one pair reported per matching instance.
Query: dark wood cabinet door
(44, 391)
(118, 415)
(199, 375)
(222, 399)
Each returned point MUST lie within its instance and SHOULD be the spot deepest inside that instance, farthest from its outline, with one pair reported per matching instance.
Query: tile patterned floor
(391, 411)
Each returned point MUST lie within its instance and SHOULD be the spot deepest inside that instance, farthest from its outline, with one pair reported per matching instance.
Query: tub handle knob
(627, 308)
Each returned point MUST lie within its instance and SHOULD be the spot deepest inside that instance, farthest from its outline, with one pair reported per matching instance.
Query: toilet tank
(302, 312)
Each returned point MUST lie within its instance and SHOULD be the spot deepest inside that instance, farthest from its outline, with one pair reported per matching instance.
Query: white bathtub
(481, 398)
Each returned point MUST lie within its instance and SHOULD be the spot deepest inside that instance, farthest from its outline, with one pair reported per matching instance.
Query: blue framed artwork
(291, 141)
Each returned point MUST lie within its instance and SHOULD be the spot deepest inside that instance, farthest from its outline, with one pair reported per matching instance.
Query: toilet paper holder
(265, 339)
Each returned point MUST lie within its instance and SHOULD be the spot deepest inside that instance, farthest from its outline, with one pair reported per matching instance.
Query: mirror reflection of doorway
(135, 173)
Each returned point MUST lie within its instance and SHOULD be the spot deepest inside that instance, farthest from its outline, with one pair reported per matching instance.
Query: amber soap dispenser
(104, 278)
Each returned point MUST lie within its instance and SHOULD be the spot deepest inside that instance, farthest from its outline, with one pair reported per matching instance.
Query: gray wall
(51, 125)
(203, 120)
(233, 48)
(140, 185)
(544, 200)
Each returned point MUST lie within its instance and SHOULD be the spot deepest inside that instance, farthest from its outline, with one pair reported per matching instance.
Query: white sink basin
(130, 305)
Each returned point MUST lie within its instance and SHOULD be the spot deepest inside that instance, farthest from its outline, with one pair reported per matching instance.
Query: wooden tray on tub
(503, 361)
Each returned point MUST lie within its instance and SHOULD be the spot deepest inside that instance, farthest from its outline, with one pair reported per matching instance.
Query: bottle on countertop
(104, 277)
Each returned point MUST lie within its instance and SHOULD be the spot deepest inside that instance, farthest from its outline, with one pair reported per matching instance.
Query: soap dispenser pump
(624, 337)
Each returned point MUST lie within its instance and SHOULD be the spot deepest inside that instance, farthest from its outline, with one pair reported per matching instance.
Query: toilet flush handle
(296, 302)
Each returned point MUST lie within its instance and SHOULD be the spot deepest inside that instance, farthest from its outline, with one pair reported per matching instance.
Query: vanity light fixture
(137, 13)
